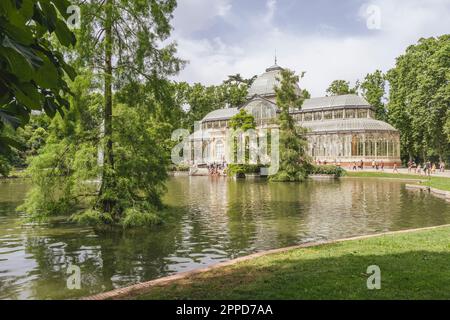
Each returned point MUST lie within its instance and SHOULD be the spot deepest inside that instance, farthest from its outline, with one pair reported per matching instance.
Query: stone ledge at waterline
(437, 192)
(145, 287)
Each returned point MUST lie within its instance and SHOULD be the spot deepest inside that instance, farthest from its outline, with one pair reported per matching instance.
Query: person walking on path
(395, 168)
(428, 166)
(410, 166)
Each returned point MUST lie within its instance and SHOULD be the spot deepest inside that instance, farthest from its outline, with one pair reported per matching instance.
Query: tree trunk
(107, 203)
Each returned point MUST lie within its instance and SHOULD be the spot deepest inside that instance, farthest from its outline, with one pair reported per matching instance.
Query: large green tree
(122, 41)
(121, 161)
(294, 162)
(419, 98)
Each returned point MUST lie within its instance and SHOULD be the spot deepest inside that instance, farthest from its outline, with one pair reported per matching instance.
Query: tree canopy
(294, 163)
(110, 156)
(419, 98)
(373, 90)
(33, 71)
(340, 87)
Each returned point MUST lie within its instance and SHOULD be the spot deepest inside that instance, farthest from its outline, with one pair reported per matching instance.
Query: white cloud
(271, 7)
(324, 56)
(196, 15)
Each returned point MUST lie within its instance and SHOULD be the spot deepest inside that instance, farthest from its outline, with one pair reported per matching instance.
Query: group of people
(426, 168)
(357, 165)
(375, 165)
(215, 169)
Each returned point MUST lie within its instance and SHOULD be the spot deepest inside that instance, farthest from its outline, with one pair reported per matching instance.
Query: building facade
(340, 129)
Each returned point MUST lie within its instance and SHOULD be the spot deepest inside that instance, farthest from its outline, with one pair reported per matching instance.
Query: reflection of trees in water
(420, 209)
(264, 215)
(209, 219)
(203, 223)
(107, 260)
(355, 206)
(232, 218)
(350, 207)
(53, 254)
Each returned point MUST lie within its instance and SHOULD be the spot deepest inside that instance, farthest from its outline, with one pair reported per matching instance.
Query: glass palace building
(340, 129)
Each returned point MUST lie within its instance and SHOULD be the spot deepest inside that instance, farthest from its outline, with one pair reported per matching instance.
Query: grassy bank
(413, 266)
(442, 183)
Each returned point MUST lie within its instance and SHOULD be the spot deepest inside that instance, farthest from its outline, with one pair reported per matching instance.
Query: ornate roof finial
(275, 56)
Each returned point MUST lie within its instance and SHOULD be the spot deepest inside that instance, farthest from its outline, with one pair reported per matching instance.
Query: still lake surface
(212, 220)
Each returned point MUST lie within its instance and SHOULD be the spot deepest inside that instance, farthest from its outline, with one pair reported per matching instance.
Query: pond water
(213, 220)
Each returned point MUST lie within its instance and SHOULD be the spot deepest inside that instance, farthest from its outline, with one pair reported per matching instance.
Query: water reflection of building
(341, 128)
(353, 207)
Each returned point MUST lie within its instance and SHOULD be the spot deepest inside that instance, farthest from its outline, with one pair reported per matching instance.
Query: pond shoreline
(144, 287)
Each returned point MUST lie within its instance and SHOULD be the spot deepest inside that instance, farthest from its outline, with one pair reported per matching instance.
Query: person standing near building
(395, 168)
(382, 165)
(409, 166)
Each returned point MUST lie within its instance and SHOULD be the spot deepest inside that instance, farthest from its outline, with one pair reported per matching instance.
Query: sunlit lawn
(442, 183)
(413, 266)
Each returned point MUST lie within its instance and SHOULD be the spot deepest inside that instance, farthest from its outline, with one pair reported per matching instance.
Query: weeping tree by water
(294, 162)
(119, 46)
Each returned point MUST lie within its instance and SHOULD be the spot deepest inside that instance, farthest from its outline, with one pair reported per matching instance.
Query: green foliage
(373, 90)
(204, 99)
(340, 87)
(419, 98)
(294, 163)
(5, 166)
(447, 125)
(327, 169)
(179, 167)
(32, 70)
(236, 169)
(92, 217)
(122, 43)
(242, 120)
(63, 173)
(138, 218)
(66, 174)
(237, 79)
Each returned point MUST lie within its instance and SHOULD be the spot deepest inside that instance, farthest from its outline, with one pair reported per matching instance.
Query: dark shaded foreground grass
(442, 183)
(413, 265)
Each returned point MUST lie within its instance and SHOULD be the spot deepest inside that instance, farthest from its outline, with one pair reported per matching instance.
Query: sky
(327, 39)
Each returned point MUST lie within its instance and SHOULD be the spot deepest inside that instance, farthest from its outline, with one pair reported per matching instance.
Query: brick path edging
(143, 287)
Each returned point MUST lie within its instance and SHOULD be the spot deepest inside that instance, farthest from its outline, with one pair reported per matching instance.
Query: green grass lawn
(442, 183)
(413, 265)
